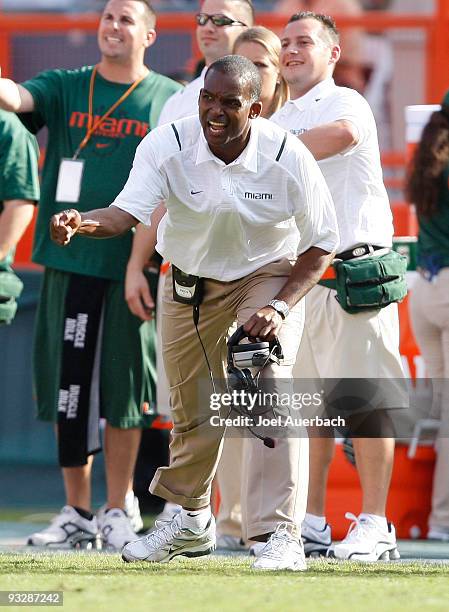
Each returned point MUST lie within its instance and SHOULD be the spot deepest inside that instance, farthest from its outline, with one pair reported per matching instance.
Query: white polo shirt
(354, 177)
(226, 221)
(184, 102)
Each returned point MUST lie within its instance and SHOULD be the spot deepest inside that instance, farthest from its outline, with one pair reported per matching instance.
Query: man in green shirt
(19, 191)
(92, 356)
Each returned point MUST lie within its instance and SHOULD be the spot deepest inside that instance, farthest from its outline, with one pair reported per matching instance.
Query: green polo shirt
(61, 103)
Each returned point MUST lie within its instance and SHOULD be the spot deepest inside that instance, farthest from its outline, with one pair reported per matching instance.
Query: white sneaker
(366, 542)
(168, 512)
(316, 542)
(169, 540)
(229, 542)
(438, 533)
(115, 529)
(68, 529)
(132, 510)
(282, 552)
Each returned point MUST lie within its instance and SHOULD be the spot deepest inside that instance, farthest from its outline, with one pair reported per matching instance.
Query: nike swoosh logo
(176, 548)
(195, 192)
(102, 145)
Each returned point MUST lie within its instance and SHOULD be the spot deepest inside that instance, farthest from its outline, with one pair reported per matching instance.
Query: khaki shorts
(336, 345)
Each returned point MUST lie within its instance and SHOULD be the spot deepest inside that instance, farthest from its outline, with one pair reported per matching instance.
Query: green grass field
(96, 581)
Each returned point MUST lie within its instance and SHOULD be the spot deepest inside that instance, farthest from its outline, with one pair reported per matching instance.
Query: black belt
(358, 251)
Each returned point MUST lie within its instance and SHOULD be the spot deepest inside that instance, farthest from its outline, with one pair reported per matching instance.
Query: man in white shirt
(338, 127)
(209, 171)
(218, 26)
(350, 71)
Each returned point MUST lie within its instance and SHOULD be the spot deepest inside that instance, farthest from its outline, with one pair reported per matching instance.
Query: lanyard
(93, 126)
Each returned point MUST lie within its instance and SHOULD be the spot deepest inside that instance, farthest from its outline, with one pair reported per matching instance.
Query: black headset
(242, 379)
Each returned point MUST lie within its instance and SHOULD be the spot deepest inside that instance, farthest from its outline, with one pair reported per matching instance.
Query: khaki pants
(237, 483)
(429, 309)
(275, 480)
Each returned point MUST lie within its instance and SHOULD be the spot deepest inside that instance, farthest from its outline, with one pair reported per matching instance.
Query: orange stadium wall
(436, 28)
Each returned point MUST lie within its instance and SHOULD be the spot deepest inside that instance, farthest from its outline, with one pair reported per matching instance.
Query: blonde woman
(262, 47)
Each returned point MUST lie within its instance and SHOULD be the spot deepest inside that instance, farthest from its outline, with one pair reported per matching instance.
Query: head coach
(243, 199)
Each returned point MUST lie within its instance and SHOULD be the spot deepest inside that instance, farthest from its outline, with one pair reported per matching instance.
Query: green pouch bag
(371, 283)
(10, 288)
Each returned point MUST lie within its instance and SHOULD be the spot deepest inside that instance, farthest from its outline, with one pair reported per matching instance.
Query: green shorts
(127, 377)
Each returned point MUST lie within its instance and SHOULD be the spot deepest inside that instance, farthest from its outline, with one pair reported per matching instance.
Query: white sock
(172, 508)
(196, 520)
(129, 497)
(379, 521)
(316, 522)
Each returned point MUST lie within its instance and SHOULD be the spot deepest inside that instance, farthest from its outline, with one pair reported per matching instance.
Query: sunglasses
(217, 20)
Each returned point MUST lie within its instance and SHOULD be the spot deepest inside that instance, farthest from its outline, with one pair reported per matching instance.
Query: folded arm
(330, 138)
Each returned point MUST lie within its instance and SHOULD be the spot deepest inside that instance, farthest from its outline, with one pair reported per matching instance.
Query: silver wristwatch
(281, 307)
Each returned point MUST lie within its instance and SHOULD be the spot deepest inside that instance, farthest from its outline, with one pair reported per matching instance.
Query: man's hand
(264, 324)
(137, 295)
(99, 223)
(64, 225)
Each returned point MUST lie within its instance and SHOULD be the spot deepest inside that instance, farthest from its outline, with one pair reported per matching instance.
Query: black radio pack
(187, 288)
